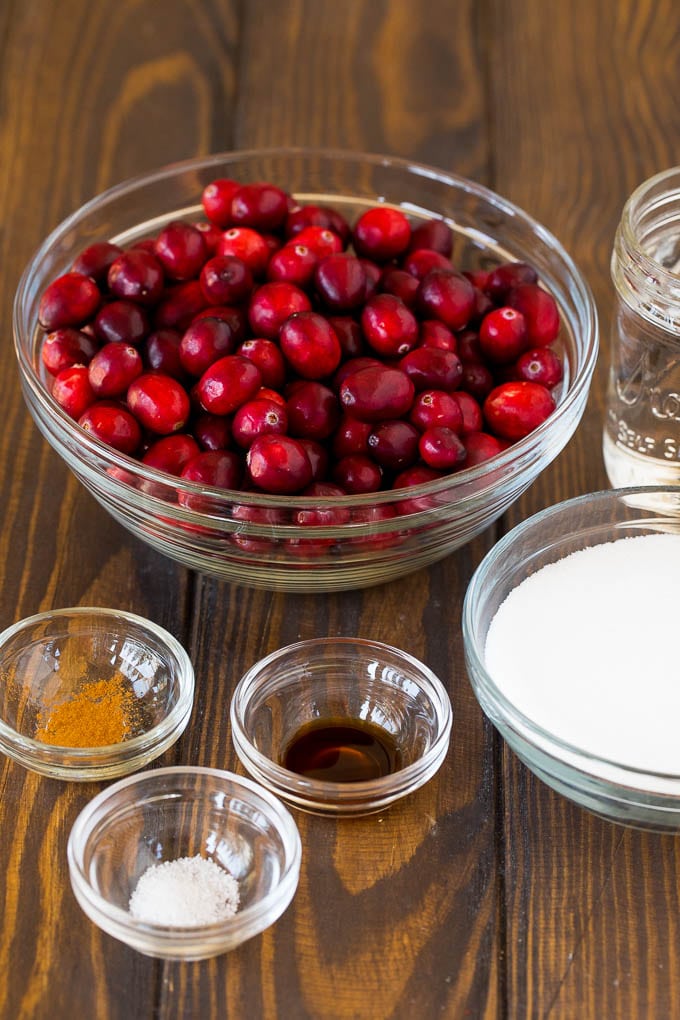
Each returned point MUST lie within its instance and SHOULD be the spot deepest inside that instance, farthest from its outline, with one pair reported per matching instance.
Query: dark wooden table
(484, 895)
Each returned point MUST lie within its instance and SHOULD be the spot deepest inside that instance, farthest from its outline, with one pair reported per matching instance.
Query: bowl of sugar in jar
(570, 626)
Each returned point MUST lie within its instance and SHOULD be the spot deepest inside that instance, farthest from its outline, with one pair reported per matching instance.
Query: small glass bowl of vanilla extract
(341, 726)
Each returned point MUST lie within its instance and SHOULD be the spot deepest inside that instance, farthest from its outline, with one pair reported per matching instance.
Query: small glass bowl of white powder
(572, 643)
(184, 863)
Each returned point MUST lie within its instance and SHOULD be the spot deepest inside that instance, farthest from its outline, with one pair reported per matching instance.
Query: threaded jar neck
(645, 263)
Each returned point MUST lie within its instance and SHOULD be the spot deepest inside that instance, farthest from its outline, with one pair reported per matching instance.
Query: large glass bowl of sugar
(569, 626)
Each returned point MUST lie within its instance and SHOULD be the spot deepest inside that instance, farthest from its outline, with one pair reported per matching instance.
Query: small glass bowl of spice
(184, 863)
(91, 693)
(341, 726)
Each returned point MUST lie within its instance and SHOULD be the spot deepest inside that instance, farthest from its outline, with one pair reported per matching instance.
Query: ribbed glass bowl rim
(247, 920)
(492, 699)
(524, 447)
(53, 754)
(317, 791)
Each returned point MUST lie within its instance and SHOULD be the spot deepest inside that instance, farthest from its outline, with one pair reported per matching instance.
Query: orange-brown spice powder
(100, 712)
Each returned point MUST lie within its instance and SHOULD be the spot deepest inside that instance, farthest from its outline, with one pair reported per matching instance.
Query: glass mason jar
(642, 424)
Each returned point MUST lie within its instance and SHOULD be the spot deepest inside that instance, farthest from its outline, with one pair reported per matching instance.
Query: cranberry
(540, 313)
(228, 383)
(121, 322)
(430, 368)
(473, 420)
(211, 234)
(435, 334)
(203, 343)
(421, 262)
(503, 278)
(313, 411)
(447, 296)
(377, 393)
(278, 465)
(272, 304)
(268, 358)
(477, 277)
(234, 316)
(540, 365)
(479, 447)
(161, 353)
(351, 436)
(340, 281)
(66, 347)
(373, 278)
(294, 263)
(136, 276)
(113, 425)
(212, 431)
(381, 233)
(113, 368)
(324, 516)
(72, 390)
(95, 260)
(266, 393)
(309, 345)
(225, 280)
(357, 473)
(258, 417)
(348, 332)
(247, 245)
(159, 403)
(419, 474)
(477, 379)
(394, 444)
(261, 206)
(389, 326)
(353, 365)
(436, 235)
(435, 407)
(180, 306)
(320, 240)
(171, 453)
(468, 347)
(514, 409)
(317, 216)
(483, 304)
(401, 284)
(219, 468)
(216, 198)
(317, 454)
(503, 335)
(441, 448)
(70, 300)
(181, 250)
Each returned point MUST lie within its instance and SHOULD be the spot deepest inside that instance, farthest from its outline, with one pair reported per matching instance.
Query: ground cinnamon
(101, 712)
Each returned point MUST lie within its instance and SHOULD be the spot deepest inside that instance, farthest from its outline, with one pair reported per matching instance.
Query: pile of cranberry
(275, 348)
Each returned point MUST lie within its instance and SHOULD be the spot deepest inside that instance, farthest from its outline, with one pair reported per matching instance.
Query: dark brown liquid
(342, 751)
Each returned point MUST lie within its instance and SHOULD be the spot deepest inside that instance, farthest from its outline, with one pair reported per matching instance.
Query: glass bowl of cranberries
(304, 370)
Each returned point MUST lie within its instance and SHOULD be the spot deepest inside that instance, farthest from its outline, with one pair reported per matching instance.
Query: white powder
(589, 647)
(187, 892)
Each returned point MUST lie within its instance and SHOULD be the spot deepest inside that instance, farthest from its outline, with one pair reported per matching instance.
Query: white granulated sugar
(588, 648)
(185, 893)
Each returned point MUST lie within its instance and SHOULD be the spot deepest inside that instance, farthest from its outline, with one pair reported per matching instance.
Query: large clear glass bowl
(227, 536)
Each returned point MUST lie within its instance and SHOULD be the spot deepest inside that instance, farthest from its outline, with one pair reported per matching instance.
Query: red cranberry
(234, 316)
(348, 332)
(471, 411)
(159, 403)
(435, 407)
(540, 365)
(479, 447)
(514, 409)
(181, 250)
(340, 281)
(373, 278)
(421, 262)
(261, 206)
(320, 240)
(272, 304)
(468, 348)
(390, 328)
(483, 304)
(95, 260)
(66, 347)
(381, 233)
(294, 263)
(216, 198)
(113, 425)
(171, 453)
(441, 448)
(430, 368)
(540, 313)
(180, 306)
(228, 383)
(313, 411)
(394, 444)
(317, 454)
(70, 300)
(221, 469)
(436, 235)
(448, 297)
(258, 417)
(249, 246)
(419, 474)
(357, 473)
(121, 322)
(477, 277)
(161, 353)
(317, 216)
(212, 431)
(278, 465)
(401, 284)
(113, 368)
(477, 379)
(225, 280)
(136, 276)
(309, 345)
(268, 358)
(500, 281)
(203, 343)
(211, 234)
(351, 436)
(503, 335)
(353, 365)
(72, 390)
(377, 393)
(324, 516)
(266, 393)
(435, 334)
